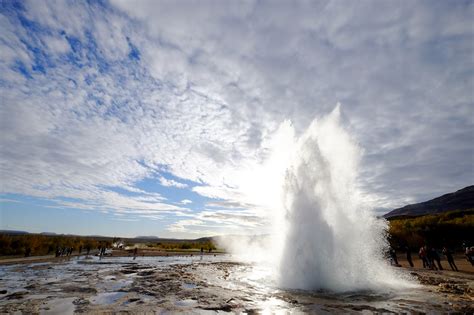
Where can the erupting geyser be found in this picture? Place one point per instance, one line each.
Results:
(332, 240)
(324, 235)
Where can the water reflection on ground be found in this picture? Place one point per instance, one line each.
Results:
(207, 285)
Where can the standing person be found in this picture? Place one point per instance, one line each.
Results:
(393, 257)
(470, 254)
(102, 252)
(449, 258)
(437, 258)
(135, 253)
(430, 258)
(422, 255)
(407, 249)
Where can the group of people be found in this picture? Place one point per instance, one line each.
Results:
(102, 251)
(432, 260)
(202, 250)
(64, 251)
(431, 257)
(67, 251)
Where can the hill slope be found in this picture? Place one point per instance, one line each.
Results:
(462, 199)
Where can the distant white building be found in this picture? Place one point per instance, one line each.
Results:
(118, 245)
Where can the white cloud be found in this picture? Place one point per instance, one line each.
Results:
(180, 226)
(212, 86)
(221, 222)
(171, 183)
(57, 45)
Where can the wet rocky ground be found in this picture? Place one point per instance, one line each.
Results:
(207, 285)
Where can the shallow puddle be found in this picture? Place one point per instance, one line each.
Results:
(186, 303)
(107, 298)
(58, 306)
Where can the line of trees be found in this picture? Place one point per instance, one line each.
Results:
(206, 245)
(35, 244)
(452, 229)
(38, 244)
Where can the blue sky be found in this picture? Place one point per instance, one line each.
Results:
(154, 117)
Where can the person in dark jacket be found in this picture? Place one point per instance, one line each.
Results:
(407, 250)
(430, 257)
(449, 258)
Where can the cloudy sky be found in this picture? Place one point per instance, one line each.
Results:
(143, 117)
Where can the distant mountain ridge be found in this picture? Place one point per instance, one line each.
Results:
(13, 232)
(462, 199)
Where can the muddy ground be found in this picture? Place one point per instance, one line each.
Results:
(207, 285)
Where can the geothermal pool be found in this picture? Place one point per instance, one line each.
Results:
(207, 285)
